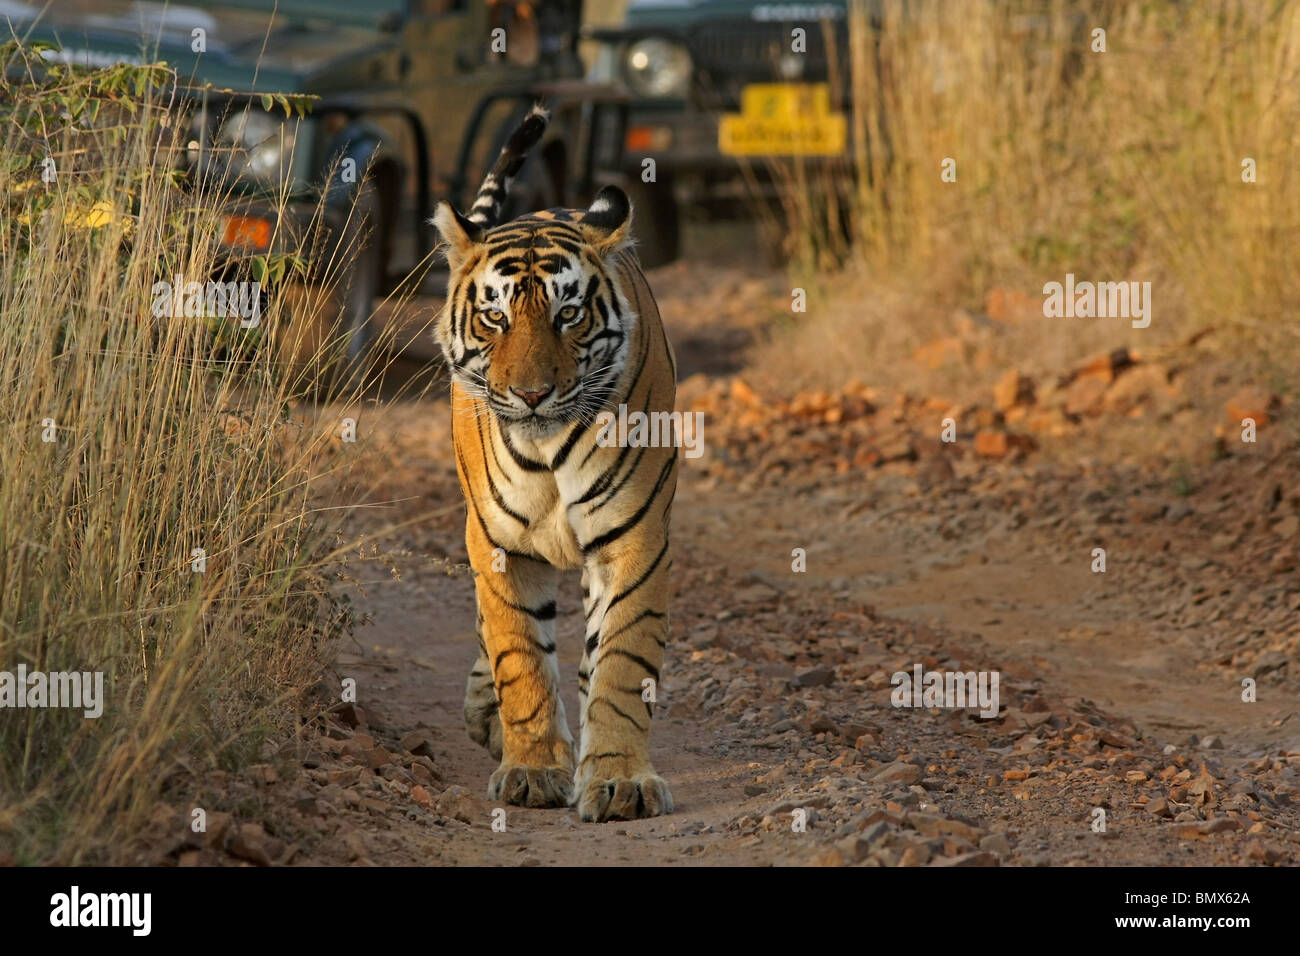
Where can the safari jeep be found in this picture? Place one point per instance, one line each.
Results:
(717, 86)
(409, 102)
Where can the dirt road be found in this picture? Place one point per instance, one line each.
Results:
(1122, 736)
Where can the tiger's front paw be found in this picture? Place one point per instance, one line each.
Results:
(625, 798)
(531, 786)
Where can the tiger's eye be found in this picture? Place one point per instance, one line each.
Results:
(568, 313)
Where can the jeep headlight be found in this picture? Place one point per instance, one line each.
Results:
(259, 145)
(658, 67)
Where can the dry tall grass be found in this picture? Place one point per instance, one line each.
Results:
(161, 445)
(1118, 165)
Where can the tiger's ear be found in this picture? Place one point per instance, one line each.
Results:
(457, 232)
(607, 224)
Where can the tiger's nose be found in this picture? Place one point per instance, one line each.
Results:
(533, 397)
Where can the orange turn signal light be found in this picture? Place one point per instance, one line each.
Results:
(653, 139)
(246, 232)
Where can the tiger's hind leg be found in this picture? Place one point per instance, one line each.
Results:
(482, 710)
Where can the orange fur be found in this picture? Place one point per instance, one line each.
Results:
(541, 500)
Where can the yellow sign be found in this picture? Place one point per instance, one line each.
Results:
(783, 119)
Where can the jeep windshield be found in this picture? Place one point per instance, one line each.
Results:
(236, 44)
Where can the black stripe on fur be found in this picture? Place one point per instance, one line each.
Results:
(486, 210)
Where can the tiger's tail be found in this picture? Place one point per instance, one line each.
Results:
(496, 184)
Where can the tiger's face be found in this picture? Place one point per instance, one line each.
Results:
(535, 326)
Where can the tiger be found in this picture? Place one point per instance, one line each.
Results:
(549, 325)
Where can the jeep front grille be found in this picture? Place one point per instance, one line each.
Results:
(733, 53)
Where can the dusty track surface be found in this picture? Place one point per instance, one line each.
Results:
(1121, 691)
